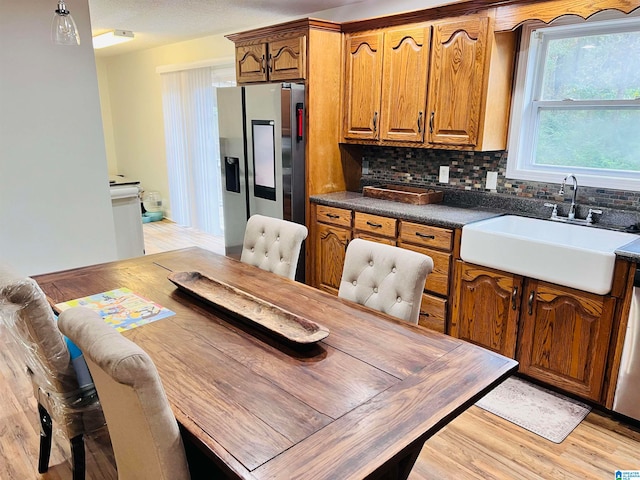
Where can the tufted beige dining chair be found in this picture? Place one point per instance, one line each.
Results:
(63, 404)
(386, 278)
(144, 433)
(273, 244)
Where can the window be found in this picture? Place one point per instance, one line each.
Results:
(577, 105)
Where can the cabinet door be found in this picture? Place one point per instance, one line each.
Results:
(485, 308)
(251, 63)
(456, 81)
(565, 337)
(287, 59)
(363, 78)
(404, 84)
(331, 246)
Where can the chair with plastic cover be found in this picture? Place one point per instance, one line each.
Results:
(64, 402)
(386, 278)
(144, 432)
(273, 244)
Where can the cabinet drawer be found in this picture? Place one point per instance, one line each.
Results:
(433, 313)
(333, 215)
(438, 279)
(373, 238)
(432, 237)
(375, 224)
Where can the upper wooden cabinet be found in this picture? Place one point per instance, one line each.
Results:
(455, 86)
(277, 60)
(404, 80)
(363, 73)
(456, 81)
(386, 84)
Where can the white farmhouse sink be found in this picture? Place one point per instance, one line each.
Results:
(570, 255)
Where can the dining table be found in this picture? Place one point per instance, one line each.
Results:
(358, 403)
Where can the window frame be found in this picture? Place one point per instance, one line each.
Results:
(526, 104)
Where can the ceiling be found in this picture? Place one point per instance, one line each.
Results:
(160, 22)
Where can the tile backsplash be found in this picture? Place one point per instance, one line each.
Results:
(468, 170)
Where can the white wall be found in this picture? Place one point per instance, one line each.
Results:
(131, 93)
(55, 208)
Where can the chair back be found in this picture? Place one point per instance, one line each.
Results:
(144, 433)
(273, 244)
(386, 278)
(24, 310)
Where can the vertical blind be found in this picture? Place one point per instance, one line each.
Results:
(193, 155)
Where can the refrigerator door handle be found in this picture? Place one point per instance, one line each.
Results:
(299, 121)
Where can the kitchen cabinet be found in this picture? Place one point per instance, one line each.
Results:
(404, 84)
(438, 244)
(333, 229)
(565, 337)
(559, 335)
(456, 81)
(331, 235)
(275, 60)
(375, 228)
(486, 305)
(456, 86)
(363, 74)
(385, 84)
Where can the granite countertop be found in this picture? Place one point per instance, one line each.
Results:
(630, 251)
(453, 214)
(437, 214)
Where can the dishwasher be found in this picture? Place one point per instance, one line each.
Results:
(627, 396)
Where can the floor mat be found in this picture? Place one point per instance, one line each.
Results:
(541, 411)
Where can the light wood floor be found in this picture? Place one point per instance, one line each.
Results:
(477, 445)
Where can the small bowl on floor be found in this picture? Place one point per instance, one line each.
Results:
(152, 216)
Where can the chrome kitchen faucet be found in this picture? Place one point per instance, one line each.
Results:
(572, 209)
(571, 216)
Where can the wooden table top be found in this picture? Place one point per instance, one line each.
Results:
(342, 408)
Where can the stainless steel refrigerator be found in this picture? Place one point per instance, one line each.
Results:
(262, 140)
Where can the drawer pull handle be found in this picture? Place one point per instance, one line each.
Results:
(374, 225)
(433, 114)
(420, 122)
(425, 314)
(332, 215)
(424, 235)
(530, 302)
(513, 298)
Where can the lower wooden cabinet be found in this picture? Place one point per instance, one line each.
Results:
(485, 308)
(559, 335)
(332, 228)
(564, 337)
(332, 233)
(433, 313)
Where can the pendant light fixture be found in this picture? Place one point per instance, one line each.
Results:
(63, 28)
